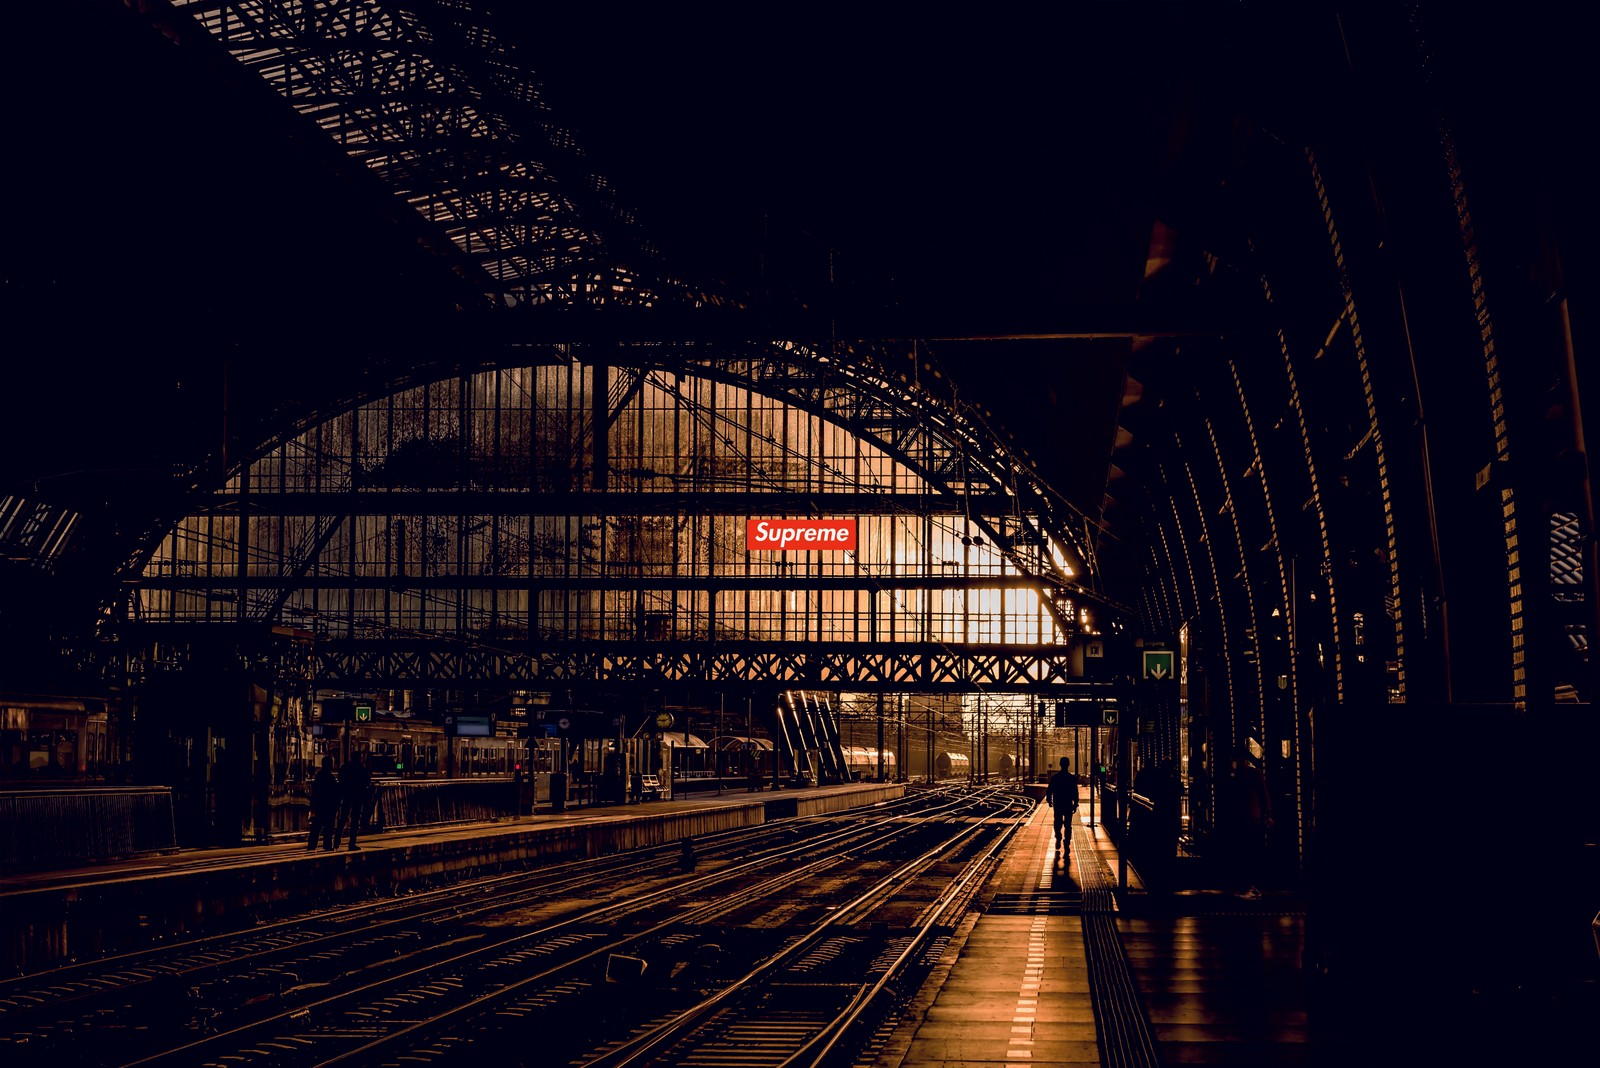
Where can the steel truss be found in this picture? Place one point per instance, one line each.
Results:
(432, 102)
(400, 663)
(947, 442)
(428, 101)
(968, 469)
(957, 471)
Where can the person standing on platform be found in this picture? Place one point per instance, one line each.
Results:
(575, 776)
(355, 790)
(325, 805)
(1062, 795)
(514, 803)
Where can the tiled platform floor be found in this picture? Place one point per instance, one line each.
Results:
(1219, 988)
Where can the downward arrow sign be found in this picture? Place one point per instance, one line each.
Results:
(1158, 664)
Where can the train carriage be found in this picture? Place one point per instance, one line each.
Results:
(55, 739)
(862, 763)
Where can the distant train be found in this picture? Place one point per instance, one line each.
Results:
(952, 766)
(421, 749)
(741, 756)
(861, 762)
(57, 739)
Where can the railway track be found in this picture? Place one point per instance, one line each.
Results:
(820, 1000)
(172, 1004)
(705, 985)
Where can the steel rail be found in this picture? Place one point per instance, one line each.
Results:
(675, 1029)
(77, 987)
(52, 989)
(960, 890)
(702, 914)
(500, 947)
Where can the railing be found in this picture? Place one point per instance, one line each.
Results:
(428, 802)
(84, 823)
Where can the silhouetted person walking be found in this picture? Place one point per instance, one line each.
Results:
(324, 805)
(355, 793)
(1062, 795)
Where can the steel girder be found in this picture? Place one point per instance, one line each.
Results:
(430, 101)
(652, 581)
(424, 663)
(603, 502)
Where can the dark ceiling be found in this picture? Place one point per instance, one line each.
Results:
(171, 235)
(935, 176)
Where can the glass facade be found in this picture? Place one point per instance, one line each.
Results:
(572, 501)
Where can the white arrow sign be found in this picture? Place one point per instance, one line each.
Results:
(1158, 664)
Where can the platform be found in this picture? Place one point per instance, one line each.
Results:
(1064, 966)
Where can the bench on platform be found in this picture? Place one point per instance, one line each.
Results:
(649, 788)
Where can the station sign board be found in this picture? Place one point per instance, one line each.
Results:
(815, 535)
(1077, 713)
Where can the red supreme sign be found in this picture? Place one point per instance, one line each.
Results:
(776, 535)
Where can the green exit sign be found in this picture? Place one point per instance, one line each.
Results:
(1159, 664)
(363, 713)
